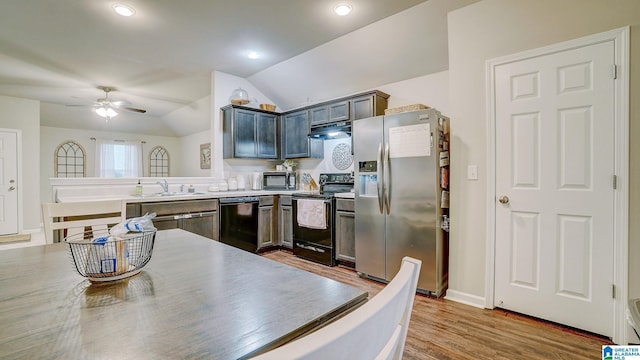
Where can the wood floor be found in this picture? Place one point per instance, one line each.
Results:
(442, 329)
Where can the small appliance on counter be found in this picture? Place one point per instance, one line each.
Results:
(241, 182)
(279, 180)
(256, 181)
(233, 184)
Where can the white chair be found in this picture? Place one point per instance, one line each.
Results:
(376, 330)
(75, 216)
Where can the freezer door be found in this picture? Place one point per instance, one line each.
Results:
(369, 219)
(411, 185)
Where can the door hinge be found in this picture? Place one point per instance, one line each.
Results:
(614, 71)
(615, 182)
(613, 291)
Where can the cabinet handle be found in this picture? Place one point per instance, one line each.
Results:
(380, 179)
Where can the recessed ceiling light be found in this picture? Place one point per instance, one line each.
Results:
(253, 55)
(123, 10)
(342, 9)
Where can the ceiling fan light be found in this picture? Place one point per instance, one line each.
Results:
(106, 112)
(111, 113)
(101, 111)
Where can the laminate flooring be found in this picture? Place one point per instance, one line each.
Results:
(444, 329)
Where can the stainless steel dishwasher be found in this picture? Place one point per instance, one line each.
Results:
(239, 222)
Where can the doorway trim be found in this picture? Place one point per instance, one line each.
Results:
(620, 37)
(18, 133)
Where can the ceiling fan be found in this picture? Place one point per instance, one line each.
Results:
(108, 109)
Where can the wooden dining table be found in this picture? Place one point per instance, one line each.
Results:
(196, 298)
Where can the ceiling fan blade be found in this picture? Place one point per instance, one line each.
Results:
(120, 103)
(141, 111)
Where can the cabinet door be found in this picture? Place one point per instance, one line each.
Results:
(267, 134)
(339, 111)
(345, 236)
(362, 107)
(133, 210)
(286, 226)
(166, 224)
(245, 134)
(319, 115)
(200, 225)
(265, 228)
(295, 131)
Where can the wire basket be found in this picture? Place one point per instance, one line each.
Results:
(106, 258)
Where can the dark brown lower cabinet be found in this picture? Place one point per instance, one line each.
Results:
(285, 222)
(345, 232)
(266, 229)
(197, 216)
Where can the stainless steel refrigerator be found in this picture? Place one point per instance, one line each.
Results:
(401, 194)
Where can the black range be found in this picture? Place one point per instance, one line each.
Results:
(314, 218)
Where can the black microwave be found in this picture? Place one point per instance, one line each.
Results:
(279, 180)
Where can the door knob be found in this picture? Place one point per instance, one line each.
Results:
(503, 199)
(12, 188)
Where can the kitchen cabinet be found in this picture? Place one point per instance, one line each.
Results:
(196, 216)
(367, 105)
(345, 232)
(133, 210)
(266, 217)
(335, 111)
(249, 133)
(285, 222)
(295, 142)
(254, 133)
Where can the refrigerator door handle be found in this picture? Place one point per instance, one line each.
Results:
(387, 179)
(379, 178)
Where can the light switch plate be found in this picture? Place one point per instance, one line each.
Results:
(472, 172)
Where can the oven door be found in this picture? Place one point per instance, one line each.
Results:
(314, 244)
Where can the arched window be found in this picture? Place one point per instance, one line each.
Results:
(158, 162)
(69, 160)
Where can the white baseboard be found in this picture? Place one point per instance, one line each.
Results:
(37, 238)
(468, 299)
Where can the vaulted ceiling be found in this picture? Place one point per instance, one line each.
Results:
(161, 58)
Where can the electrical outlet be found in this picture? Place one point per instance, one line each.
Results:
(472, 172)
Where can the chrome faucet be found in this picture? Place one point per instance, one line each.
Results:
(164, 184)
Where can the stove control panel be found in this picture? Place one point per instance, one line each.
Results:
(336, 178)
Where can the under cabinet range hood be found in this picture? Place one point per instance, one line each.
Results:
(336, 130)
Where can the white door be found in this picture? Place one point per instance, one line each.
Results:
(8, 183)
(554, 187)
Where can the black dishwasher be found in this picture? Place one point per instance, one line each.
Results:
(239, 222)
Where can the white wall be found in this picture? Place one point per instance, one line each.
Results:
(494, 28)
(315, 167)
(24, 115)
(190, 119)
(431, 90)
(52, 137)
(189, 159)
